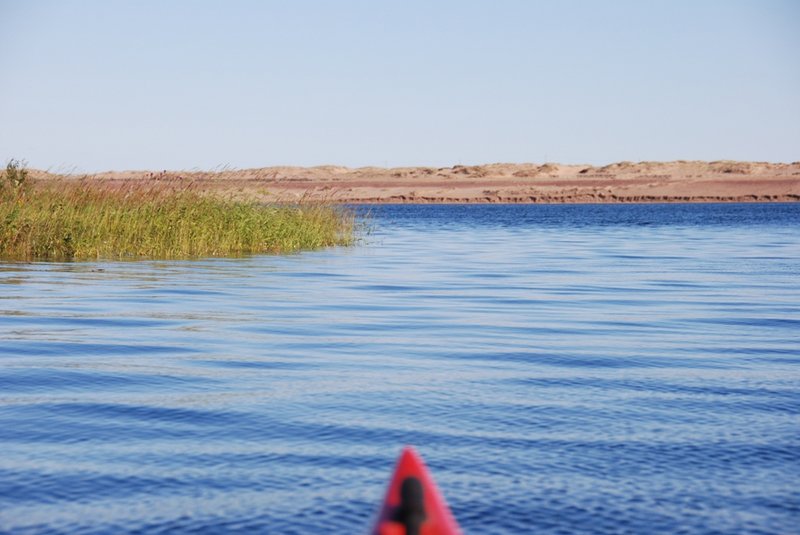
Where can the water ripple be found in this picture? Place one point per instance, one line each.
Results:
(563, 369)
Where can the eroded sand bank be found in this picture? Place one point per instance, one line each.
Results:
(681, 181)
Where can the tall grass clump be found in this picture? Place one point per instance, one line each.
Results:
(92, 219)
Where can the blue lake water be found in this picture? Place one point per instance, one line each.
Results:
(563, 369)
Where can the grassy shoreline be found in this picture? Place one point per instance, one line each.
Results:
(62, 220)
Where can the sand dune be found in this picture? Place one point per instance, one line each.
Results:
(680, 181)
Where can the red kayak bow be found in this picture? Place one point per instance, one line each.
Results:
(413, 504)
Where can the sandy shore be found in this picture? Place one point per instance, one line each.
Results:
(681, 181)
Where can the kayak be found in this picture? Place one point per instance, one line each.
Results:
(413, 504)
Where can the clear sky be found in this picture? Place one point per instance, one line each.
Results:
(90, 85)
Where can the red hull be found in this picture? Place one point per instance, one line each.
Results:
(413, 504)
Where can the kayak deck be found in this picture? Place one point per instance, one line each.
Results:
(413, 504)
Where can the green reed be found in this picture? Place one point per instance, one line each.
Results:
(93, 219)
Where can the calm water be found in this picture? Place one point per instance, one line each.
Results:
(563, 369)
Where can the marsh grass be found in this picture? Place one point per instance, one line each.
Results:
(83, 219)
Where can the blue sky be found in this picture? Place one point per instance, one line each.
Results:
(94, 85)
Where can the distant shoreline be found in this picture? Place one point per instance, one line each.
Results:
(623, 182)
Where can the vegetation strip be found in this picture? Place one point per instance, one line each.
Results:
(84, 219)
